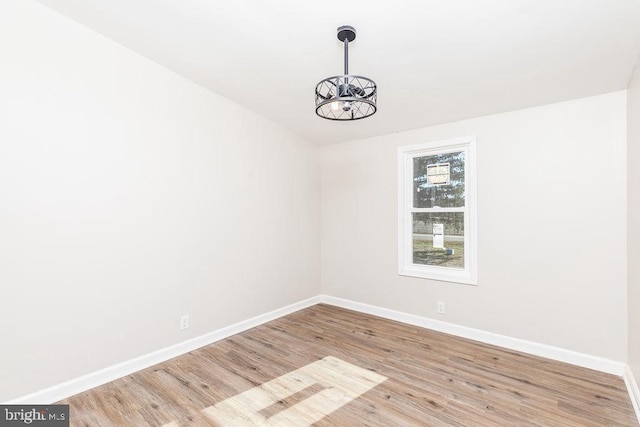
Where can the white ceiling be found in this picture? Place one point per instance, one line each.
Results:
(434, 61)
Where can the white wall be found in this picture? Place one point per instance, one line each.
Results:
(130, 196)
(551, 218)
(633, 218)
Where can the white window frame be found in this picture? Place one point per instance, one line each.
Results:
(406, 267)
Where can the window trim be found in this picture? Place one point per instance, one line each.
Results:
(406, 267)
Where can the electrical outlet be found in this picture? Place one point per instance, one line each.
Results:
(184, 322)
(440, 307)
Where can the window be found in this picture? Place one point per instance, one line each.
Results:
(437, 211)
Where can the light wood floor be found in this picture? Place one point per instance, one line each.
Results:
(432, 379)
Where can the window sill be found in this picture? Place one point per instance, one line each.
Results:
(433, 274)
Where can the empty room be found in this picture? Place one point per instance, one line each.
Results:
(365, 213)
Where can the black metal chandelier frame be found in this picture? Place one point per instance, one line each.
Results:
(346, 97)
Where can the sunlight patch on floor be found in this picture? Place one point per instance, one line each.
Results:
(332, 382)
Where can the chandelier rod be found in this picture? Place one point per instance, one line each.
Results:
(346, 56)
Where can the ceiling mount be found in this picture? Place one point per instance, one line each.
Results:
(346, 32)
(346, 97)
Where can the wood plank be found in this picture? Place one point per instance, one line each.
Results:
(433, 379)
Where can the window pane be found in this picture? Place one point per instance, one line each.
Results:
(438, 239)
(438, 180)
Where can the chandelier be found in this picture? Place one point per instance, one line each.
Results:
(346, 97)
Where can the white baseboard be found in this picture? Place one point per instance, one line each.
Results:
(542, 350)
(634, 391)
(111, 373)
